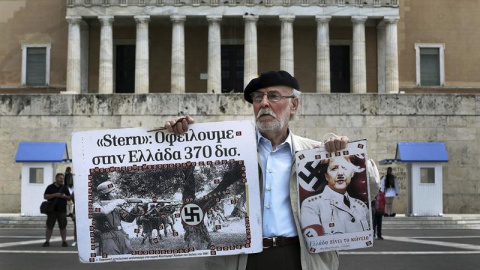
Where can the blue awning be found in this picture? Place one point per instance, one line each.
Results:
(418, 152)
(42, 152)
(421, 152)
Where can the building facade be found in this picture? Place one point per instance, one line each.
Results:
(169, 46)
(376, 69)
(151, 46)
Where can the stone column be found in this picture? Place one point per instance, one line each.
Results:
(381, 57)
(142, 55)
(74, 55)
(359, 72)
(84, 48)
(251, 61)
(391, 55)
(214, 82)
(323, 54)
(178, 54)
(286, 45)
(105, 76)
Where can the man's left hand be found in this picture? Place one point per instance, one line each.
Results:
(337, 143)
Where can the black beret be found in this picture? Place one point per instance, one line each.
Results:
(270, 78)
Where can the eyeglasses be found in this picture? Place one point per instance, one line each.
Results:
(272, 96)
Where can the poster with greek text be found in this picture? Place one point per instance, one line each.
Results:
(335, 212)
(149, 194)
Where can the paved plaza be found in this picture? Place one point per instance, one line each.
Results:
(438, 249)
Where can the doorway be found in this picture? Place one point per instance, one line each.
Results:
(232, 68)
(340, 68)
(125, 69)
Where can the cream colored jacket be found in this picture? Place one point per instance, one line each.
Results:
(317, 261)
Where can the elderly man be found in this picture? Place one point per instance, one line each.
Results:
(275, 98)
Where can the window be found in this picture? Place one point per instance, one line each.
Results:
(36, 176)
(36, 64)
(430, 64)
(427, 175)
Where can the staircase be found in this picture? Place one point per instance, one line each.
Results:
(450, 221)
(17, 221)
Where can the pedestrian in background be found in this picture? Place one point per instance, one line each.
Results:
(389, 186)
(378, 210)
(71, 204)
(68, 177)
(60, 194)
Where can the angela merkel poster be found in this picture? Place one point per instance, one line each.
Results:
(335, 213)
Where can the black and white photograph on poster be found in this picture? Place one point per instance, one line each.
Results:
(335, 212)
(143, 195)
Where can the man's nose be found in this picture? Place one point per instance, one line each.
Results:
(264, 102)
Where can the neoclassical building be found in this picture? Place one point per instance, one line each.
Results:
(217, 46)
(212, 46)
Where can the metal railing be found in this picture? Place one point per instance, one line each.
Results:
(341, 3)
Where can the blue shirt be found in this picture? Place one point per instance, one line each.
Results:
(276, 169)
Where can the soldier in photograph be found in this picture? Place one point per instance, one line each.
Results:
(108, 215)
(166, 217)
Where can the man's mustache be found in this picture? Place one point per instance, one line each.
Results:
(266, 111)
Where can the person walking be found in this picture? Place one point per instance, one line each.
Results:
(71, 203)
(60, 194)
(389, 186)
(68, 177)
(378, 210)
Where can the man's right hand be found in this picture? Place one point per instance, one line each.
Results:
(179, 125)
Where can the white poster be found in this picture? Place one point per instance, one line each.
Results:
(142, 195)
(335, 212)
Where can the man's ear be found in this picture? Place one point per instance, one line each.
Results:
(294, 107)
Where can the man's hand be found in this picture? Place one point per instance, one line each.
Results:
(179, 125)
(335, 144)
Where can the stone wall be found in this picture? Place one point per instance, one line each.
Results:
(382, 119)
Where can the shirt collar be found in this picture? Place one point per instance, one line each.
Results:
(288, 140)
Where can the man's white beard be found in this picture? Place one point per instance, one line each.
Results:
(272, 124)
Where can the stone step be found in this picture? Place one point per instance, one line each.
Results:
(17, 221)
(453, 221)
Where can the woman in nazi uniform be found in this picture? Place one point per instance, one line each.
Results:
(334, 211)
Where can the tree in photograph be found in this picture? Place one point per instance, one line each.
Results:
(198, 236)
